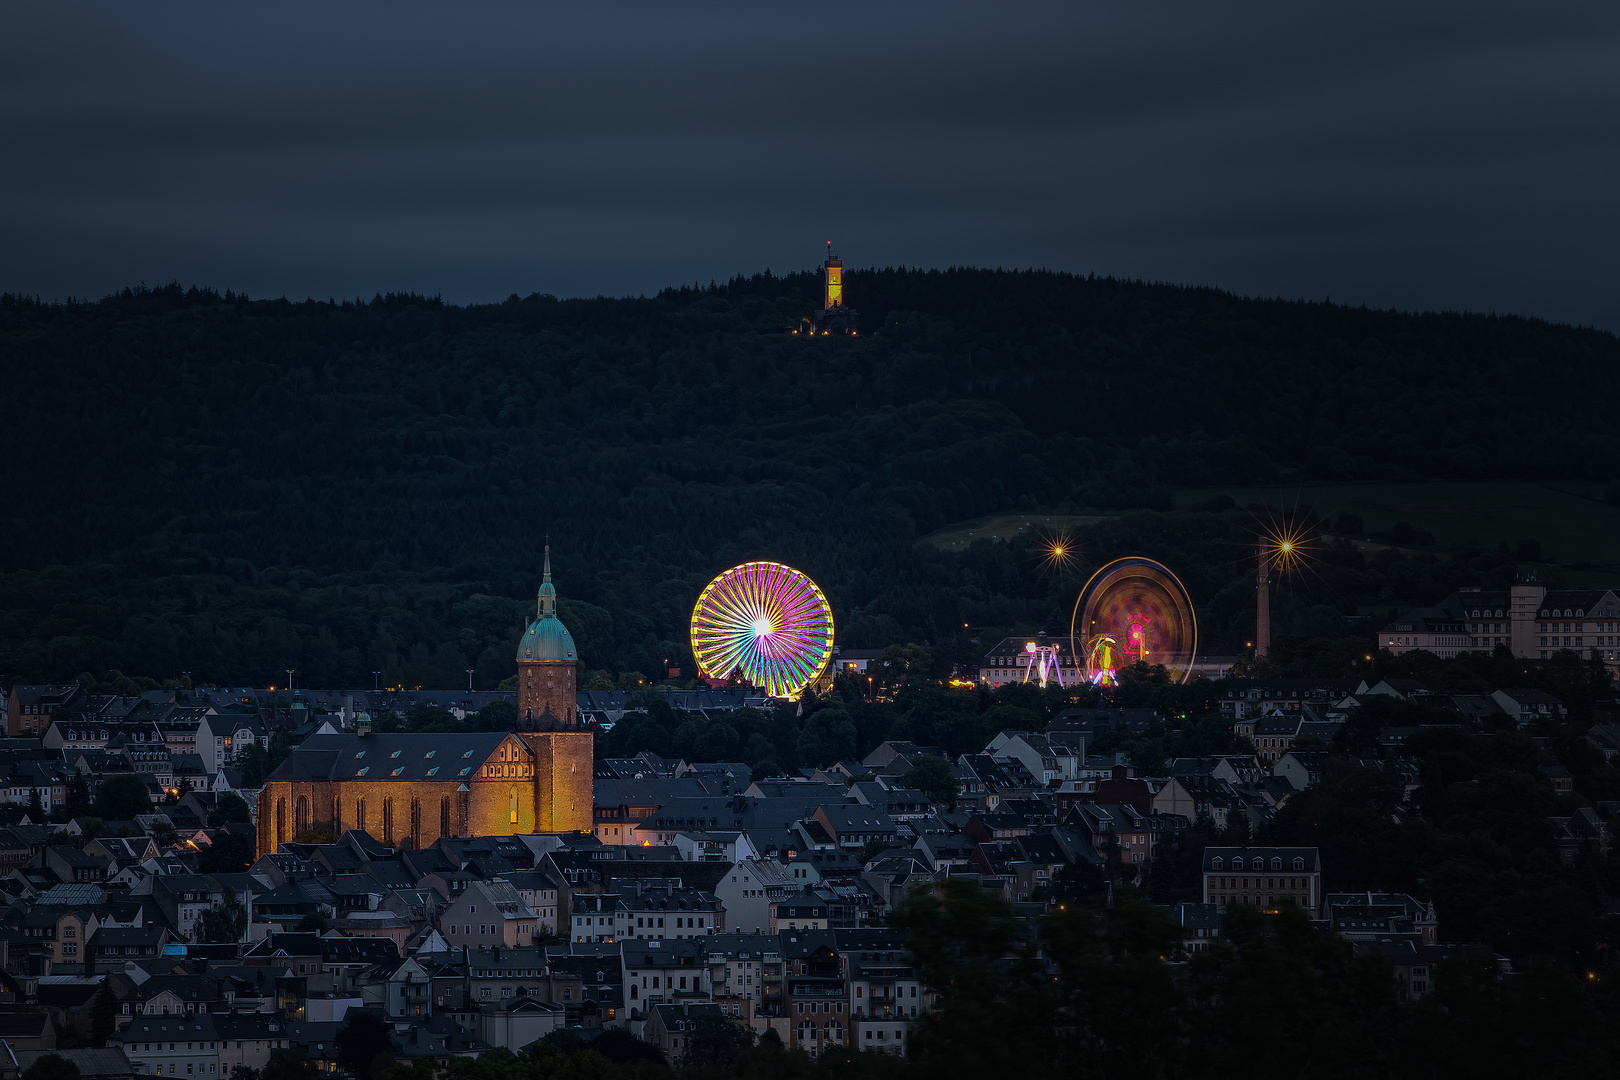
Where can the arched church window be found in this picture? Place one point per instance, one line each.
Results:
(512, 801)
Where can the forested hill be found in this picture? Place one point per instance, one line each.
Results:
(231, 487)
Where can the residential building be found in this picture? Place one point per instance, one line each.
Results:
(221, 738)
(670, 1027)
(29, 708)
(621, 802)
(1262, 877)
(743, 973)
(807, 909)
(728, 846)
(816, 991)
(747, 891)
(489, 913)
(1243, 698)
(1200, 925)
(183, 1045)
(514, 1023)
(183, 898)
(246, 1038)
(1372, 916)
(497, 974)
(1526, 706)
(1048, 762)
(663, 970)
(645, 908)
(1580, 834)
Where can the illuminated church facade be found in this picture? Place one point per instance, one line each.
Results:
(410, 789)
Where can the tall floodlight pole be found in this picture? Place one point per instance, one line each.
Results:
(1262, 605)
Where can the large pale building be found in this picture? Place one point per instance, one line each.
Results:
(410, 789)
(1528, 619)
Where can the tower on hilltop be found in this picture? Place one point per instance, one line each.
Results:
(833, 268)
(834, 317)
(548, 666)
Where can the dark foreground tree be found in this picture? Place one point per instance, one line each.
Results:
(225, 923)
(360, 1040)
(121, 798)
(51, 1067)
(712, 1042)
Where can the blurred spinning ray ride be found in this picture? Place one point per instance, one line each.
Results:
(766, 624)
(1042, 662)
(1133, 610)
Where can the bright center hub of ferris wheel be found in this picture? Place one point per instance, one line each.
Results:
(762, 627)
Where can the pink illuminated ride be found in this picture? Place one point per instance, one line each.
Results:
(766, 624)
(1134, 610)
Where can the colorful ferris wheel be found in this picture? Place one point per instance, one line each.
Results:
(1134, 610)
(765, 623)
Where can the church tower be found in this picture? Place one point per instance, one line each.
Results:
(548, 719)
(548, 666)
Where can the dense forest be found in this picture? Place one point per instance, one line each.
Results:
(208, 484)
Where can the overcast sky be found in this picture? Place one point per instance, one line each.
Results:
(1412, 155)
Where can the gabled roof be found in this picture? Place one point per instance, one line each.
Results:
(1250, 853)
(73, 895)
(396, 756)
(90, 1062)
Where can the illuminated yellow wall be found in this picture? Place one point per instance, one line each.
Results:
(542, 779)
(835, 284)
(564, 761)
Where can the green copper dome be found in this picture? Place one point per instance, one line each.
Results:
(547, 638)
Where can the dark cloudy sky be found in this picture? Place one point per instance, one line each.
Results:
(1418, 155)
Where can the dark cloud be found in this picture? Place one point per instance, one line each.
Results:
(1457, 156)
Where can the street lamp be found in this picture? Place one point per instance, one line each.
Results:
(469, 679)
(289, 678)
(376, 680)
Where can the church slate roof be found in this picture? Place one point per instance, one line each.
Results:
(400, 756)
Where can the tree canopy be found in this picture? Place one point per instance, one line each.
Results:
(228, 487)
(51, 1067)
(120, 798)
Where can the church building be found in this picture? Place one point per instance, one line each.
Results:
(410, 789)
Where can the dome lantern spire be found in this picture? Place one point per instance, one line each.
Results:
(548, 591)
(547, 659)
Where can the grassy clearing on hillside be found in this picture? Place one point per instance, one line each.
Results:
(1570, 519)
(1004, 527)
